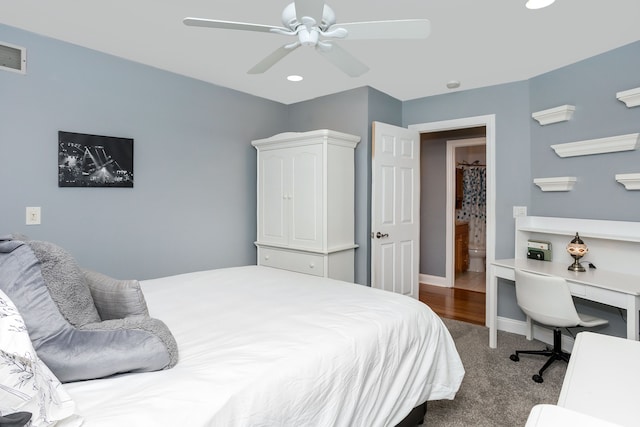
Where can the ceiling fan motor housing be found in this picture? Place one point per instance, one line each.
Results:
(308, 38)
(290, 19)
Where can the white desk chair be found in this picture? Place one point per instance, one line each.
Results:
(547, 300)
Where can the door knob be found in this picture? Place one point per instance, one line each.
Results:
(379, 235)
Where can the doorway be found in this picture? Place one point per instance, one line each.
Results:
(466, 166)
(442, 270)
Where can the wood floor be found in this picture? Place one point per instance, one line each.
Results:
(455, 303)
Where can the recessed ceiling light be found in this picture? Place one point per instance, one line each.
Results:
(538, 4)
(453, 84)
(294, 78)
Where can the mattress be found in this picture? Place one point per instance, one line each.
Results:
(266, 347)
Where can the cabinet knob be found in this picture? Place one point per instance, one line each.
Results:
(266, 257)
(311, 265)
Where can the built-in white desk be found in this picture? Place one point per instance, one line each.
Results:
(606, 287)
(614, 246)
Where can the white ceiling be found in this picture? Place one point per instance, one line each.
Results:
(478, 42)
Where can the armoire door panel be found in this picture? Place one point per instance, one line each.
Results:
(273, 194)
(306, 197)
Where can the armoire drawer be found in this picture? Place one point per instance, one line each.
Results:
(301, 262)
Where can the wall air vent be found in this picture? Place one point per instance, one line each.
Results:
(13, 58)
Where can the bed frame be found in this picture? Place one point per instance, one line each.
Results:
(415, 417)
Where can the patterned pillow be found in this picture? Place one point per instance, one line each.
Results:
(26, 384)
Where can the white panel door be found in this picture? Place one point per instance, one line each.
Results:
(395, 209)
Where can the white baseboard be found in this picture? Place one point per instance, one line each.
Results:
(513, 326)
(540, 333)
(434, 280)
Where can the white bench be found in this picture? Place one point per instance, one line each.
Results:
(601, 386)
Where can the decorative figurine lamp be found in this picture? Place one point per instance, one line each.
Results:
(577, 249)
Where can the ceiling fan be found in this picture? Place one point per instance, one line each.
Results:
(314, 24)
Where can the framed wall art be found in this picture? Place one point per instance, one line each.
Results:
(94, 161)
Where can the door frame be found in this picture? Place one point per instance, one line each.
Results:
(488, 121)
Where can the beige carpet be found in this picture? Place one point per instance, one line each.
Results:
(495, 391)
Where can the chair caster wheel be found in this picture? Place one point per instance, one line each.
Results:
(514, 357)
(537, 378)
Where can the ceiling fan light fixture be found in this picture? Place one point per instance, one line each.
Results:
(538, 4)
(294, 78)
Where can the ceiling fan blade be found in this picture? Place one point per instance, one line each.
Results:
(309, 8)
(230, 25)
(272, 58)
(400, 29)
(343, 60)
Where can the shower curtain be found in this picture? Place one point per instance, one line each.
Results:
(474, 204)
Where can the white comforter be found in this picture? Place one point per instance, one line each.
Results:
(267, 347)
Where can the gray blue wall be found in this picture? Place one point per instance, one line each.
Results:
(193, 203)
(510, 104)
(590, 86)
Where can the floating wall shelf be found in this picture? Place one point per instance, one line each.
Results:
(631, 181)
(630, 97)
(554, 115)
(598, 146)
(560, 183)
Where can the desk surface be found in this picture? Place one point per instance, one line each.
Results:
(618, 282)
(602, 378)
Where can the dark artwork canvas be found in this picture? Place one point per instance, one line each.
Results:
(94, 161)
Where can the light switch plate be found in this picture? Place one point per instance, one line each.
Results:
(33, 215)
(519, 211)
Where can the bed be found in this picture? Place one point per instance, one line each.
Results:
(244, 346)
(266, 347)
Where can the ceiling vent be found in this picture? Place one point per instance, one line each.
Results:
(13, 58)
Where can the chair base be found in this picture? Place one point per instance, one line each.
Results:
(553, 354)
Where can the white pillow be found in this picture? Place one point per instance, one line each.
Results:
(26, 384)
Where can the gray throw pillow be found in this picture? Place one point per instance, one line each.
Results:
(116, 299)
(66, 283)
(51, 294)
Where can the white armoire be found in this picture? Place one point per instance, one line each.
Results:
(306, 203)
